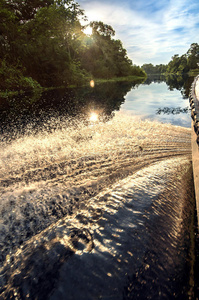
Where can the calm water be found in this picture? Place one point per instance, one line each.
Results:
(97, 209)
(155, 99)
(157, 102)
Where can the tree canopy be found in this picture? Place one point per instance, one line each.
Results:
(188, 62)
(45, 41)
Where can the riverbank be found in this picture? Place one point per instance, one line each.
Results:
(9, 93)
(117, 79)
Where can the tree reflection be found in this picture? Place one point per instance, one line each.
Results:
(178, 82)
(29, 112)
(158, 78)
(172, 110)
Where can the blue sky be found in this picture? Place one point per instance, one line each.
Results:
(151, 31)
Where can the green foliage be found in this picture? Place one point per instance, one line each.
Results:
(151, 69)
(105, 57)
(138, 71)
(101, 29)
(186, 63)
(193, 56)
(12, 78)
(46, 39)
(31, 83)
(178, 65)
(26, 10)
(193, 72)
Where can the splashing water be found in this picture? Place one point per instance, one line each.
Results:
(88, 201)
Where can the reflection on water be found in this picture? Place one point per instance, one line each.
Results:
(180, 83)
(173, 111)
(96, 204)
(151, 98)
(19, 114)
(27, 113)
(97, 211)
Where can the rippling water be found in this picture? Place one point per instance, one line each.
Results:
(99, 211)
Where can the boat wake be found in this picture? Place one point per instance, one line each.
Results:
(87, 211)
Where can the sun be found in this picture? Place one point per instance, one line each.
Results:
(93, 117)
(88, 30)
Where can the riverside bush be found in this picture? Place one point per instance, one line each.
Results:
(12, 78)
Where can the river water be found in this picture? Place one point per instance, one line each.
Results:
(97, 208)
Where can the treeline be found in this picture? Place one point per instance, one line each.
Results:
(186, 63)
(42, 42)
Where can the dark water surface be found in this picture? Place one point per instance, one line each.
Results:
(97, 209)
(154, 99)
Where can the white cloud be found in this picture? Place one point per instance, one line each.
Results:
(149, 37)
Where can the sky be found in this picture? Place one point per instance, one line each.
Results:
(151, 31)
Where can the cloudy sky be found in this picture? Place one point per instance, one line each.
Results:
(151, 31)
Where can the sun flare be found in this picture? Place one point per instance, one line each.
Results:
(93, 117)
(92, 83)
(88, 30)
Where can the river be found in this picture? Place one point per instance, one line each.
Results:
(101, 207)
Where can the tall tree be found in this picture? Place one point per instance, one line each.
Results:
(26, 9)
(193, 56)
(104, 56)
(45, 40)
(9, 30)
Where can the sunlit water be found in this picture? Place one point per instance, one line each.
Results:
(97, 211)
(157, 102)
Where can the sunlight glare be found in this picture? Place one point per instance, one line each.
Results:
(93, 117)
(92, 83)
(88, 30)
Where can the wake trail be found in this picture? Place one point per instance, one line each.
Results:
(50, 184)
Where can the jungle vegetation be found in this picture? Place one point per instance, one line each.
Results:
(187, 63)
(42, 43)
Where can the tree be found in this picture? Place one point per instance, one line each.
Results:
(101, 29)
(105, 57)
(193, 56)
(151, 69)
(45, 40)
(9, 30)
(27, 9)
(43, 37)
